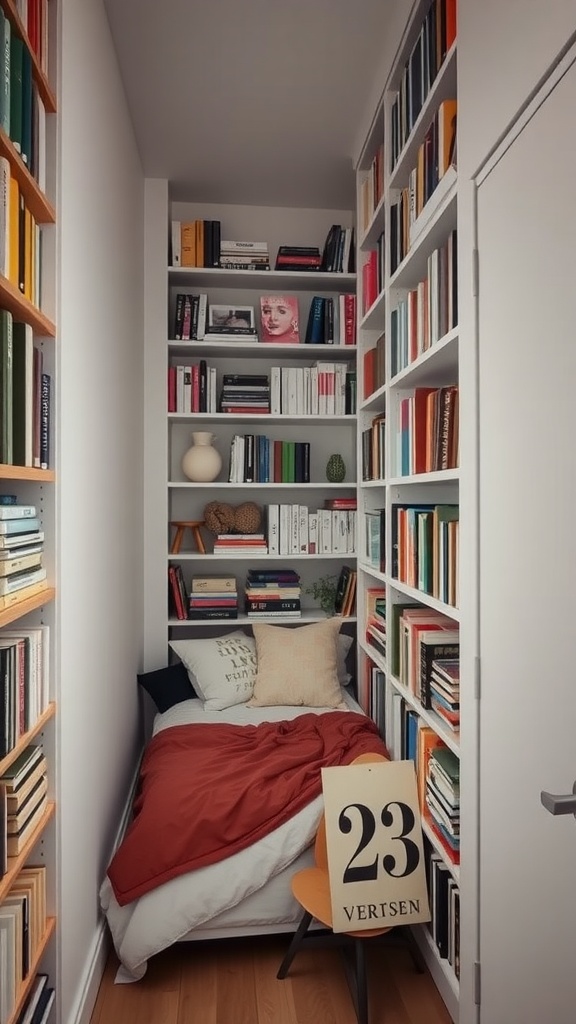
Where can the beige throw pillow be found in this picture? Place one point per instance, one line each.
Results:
(297, 667)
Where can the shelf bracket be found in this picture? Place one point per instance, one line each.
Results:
(477, 982)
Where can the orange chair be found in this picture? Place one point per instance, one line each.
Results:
(311, 887)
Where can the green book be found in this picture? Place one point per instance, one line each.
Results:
(22, 395)
(5, 33)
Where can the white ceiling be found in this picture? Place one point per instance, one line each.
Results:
(250, 101)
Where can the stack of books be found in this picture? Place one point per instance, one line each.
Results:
(25, 784)
(443, 798)
(272, 593)
(445, 690)
(245, 393)
(298, 257)
(244, 255)
(240, 544)
(21, 544)
(376, 618)
(213, 597)
(24, 661)
(177, 596)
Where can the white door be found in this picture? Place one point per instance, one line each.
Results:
(526, 207)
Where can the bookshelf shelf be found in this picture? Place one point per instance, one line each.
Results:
(314, 485)
(224, 559)
(422, 598)
(373, 318)
(440, 211)
(44, 87)
(45, 476)
(373, 483)
(374, 229)
(41, 209)
(434, 366)
(443, 88)
(374, 400)
(431, 478)
(24, 605)
(245, 620)
(27, 737)
(22, 309)
(29, 979)
(187, 417)
(217, 277)
(260, 350)
(16, 863)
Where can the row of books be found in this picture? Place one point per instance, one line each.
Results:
(323, 389)
(295, 529)
(25, 397)
(371, 188)
(195, 243)
(20, 238)
(373, 547)
(423, 637)
(23, 798)
(429, 311)
(331, 321)
(255, 458)
(427, 431)
(437, 35)
(443, 798)
(425, 549)
(435, 156)
(24, 663)
(23, 924)
(373, 275)
(374, 367)
(373, 449)
(33, 16)
(192, 387)
(38, 1006)
(20, 548)
(444, 901)
(22, 111)
(375, 624)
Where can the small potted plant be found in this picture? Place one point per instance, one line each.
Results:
(323, 590)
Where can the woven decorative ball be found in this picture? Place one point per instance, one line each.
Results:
(219, 517)
(248, 517)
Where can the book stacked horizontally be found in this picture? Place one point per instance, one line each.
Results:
(445, 690)
(213, 597)
(443, 798)
(240, 544)
(21, 544)
(298, 257)
(272, 593)
(245, 393)
(244, 255)
(25, 783)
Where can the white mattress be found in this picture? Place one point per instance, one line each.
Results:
(241, 894)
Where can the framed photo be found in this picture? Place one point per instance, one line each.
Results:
(225, 317)
(279, 319)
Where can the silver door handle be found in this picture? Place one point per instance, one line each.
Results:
(559, 803)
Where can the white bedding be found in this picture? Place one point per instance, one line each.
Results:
(169, 912)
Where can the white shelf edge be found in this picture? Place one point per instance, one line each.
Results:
(245, 620)
(373, 483)
(374, 398)
(372, 313)
(372, 232)
(436, 208)
(426, 359)
(243, 277)
(454, 869)
(427, 215)
(226, 347)
(424, 598)
(439, 476)
(371, 571)
(314, 485)
(187, 417)
(197, 556)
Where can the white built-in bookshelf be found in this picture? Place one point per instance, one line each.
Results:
(28, 152)
(407, 469)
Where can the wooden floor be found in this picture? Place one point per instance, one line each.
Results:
(234, 982)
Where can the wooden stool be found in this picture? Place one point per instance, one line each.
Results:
(181, 527)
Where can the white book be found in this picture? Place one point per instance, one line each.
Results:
(176, 244)
(293, 390)
(303, 530)
(212, 390)
(10, 584)
(275, 390)
(307, 390)
(300, 406)
(252, 247)
(284, 389)
(17, 511)
(325, 518)
(295, 529)
(187, 389)
(13, 541)
(274, 529)
(313, 533)
(314, 392)
(202, 314)
(284, 529)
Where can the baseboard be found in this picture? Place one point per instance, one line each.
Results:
(87, 992)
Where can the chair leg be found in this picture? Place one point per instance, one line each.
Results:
(361, 986)
(293, 947)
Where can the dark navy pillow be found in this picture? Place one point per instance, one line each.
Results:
(167, 686)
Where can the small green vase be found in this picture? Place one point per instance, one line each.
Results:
(335, 469)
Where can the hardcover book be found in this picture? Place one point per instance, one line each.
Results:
(279, 319)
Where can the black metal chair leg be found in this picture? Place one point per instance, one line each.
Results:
(293, 947)
(361, 987)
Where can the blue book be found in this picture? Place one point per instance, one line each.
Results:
(28, 525)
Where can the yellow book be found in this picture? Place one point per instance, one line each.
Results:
(188, 243)
(14, 231)
(199, 243)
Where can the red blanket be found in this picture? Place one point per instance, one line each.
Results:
(208, 791)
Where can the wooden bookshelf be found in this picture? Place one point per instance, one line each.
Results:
(29, 604)
(27, 737)
(26, 985)
(16, 863)
(44, 87)
(22, 309)
(45, 476)
(39, 206)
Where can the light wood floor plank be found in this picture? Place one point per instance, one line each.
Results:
(274, 999)
(198, 990)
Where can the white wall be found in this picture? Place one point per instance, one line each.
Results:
(504, 49)
(100, 212)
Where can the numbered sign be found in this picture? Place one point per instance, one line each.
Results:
(375, 851)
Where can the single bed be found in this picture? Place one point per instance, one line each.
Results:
(247, 893)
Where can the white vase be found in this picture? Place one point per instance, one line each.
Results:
(202, 462)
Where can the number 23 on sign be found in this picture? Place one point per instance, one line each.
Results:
(375, 851)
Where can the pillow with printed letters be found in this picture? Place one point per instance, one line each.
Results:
(222, 669)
